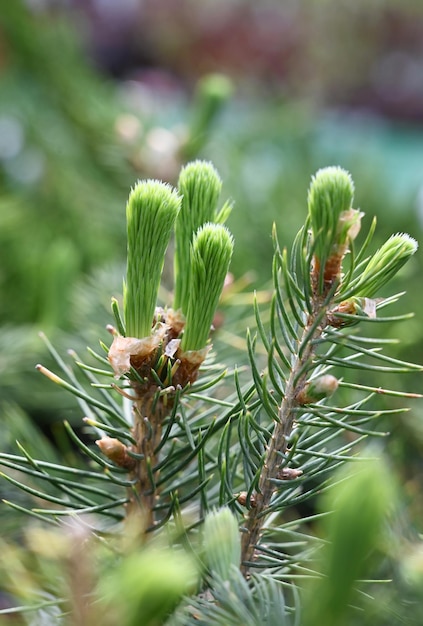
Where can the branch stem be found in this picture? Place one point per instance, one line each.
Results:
(278, 444)
(147, 432)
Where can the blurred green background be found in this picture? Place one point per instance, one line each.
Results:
(95, 94)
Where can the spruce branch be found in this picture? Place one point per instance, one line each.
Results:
(167, 451)
(304, 313)
(278, 445)
(158, 364)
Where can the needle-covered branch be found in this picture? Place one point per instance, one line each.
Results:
(309, 329)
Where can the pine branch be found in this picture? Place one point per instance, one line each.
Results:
(287, 415)
(309, 314)
(174, 440)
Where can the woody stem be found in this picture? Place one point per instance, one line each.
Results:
(278, 444)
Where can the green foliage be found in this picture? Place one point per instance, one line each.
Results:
(150, 216)
(330, 195)
(211, 254)
(66, 167)
(359, 503)
(385, 263)
(178, 436)
(199, 185)
(147, 585)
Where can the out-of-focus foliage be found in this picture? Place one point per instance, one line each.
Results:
(71, 144)
(66, 575)
(63, 171)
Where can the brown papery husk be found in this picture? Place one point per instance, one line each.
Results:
(131, 351)
(189, 365)
(142, 355)
(366, 306)
(175, 321)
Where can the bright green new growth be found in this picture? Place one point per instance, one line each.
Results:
(170, 452)
(150, 213)
(359, 505)
(211, 254)
(148, 582)
(221, 542)
(330, 194)
(200, 186)
(385, 263)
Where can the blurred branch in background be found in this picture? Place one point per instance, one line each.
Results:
(361, 54)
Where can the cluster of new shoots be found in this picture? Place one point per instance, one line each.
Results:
(334, 226)
(270, 444)
(160, 350)
(158, 339)
(200, 186)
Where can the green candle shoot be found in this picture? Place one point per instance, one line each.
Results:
(151, 213)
